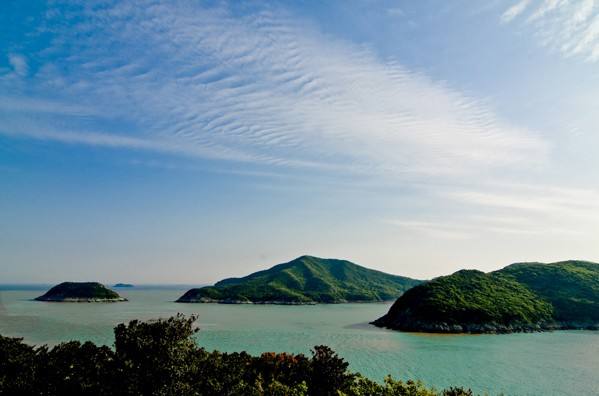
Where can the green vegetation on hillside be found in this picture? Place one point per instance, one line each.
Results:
(571, 287)
(162, 358)
(80, 291)
(520, 297)
(305, 280)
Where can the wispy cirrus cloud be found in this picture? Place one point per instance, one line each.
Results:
(581, 203)
(263, 87)
(492, 210)
(18, 64)
(569, 27)
(473, 228)
(514, 10)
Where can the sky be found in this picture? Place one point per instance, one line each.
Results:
(182, 141)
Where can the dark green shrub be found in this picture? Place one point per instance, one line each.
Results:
(161, 358)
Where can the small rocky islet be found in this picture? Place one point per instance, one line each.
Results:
(80, 292)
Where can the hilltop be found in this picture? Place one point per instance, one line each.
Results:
(519, 297)
(80, 292)
(305, 280)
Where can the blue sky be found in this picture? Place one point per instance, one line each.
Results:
(186, 141)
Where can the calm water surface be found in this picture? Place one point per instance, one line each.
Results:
(558, 363)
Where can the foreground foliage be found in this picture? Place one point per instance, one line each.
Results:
(520, 297)
(162, 358)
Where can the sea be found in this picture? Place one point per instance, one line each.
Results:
(549, 363)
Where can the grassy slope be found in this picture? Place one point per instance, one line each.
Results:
(82, 290)
(520, 294)
(308, 279)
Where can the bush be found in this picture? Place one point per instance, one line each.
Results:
(18, 367)
(161, 358)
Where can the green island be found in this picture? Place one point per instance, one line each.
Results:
(521, 297)
(161, 357)
(305, 280)
(80, 292)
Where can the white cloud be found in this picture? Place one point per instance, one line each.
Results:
(533, 211)
(546, 7)
(271, 89)
(16, 104)
(514, 11)
(436, 230)
(19, 64)
(119, 141)
(395, 12)
(526, 213)
(545, 200)
(569, 27)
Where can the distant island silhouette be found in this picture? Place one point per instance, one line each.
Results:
(123, 285)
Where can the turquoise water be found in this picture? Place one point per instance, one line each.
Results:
(557, 363)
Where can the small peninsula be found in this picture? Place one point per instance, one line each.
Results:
(80, 292)
(305, 280)
(521, 297)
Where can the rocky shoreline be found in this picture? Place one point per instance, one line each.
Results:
(81, 300)
(484, 328)
(206, 300)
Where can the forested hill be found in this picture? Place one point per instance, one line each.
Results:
(306, 280)
(519, 297)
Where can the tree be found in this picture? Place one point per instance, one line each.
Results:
(161, 358)
(328, 373)
(73, 368)
(17, 367)
(154, 357)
